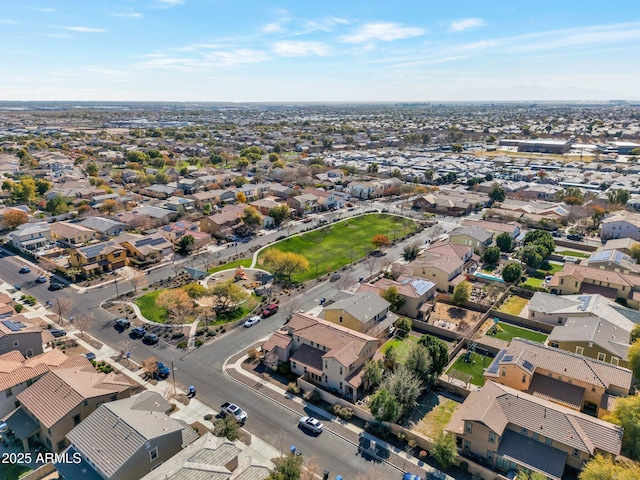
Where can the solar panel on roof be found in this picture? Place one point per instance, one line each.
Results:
(11, 326)
(528, 365)
(495, 365)
(422, 286)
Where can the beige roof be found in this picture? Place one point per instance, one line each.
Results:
(582, 273)
(497, 406)
(68, 230)
(60, 391)
(279, 339)
(15, 369)
(498, 227)
(28, 326)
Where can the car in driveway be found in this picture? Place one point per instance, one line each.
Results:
(57, 332)
(17, 287)
(250, 322)
(312, 424)
(90, 356)
(270, 310)
(122, 323)
(162, 371)
(24, 269)
(138, 332)
(41, 279)
(151, 338)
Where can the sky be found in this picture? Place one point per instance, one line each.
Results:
(319, 50)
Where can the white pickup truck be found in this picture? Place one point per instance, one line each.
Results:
(235, 411)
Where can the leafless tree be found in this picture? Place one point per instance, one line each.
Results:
(345, 281)
(124, 347)
(290, 308)
(137, 279)
(271, 360)
(149, 366)
(371, 262)
(206, 258)
(83, 321)
(63, 305)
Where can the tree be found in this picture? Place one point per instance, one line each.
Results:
(635, 334)
(444, 449)
(392, 296)
(176, 301)
(572, 196)
(522, 475)
(491, 255)
(372, 373)
(284, 263)
(380, 240)
(287, 467)
(626, 414)
(504, 241)
(92, 169)
(633, 354)
(511, 272)
(419, 362)
(405, 386)
(457, 148)
(226, 427)
(186, 244)
(110, 205)
(252, 217)
(82, 321)
(150, 367)
(241, 197)
(280, 213)
(635, 252)
(618, 197)
(497, 194)
(606, 467)
(438, 351)
(410, 252)
(207, 208)
(540, 237)
(384, 406)
(137, 279)
(13, 218)
(597, 214)
(228, 296)
(239, 181)
(461, 293)
(532, 256)
(403, 325)
(372, 168)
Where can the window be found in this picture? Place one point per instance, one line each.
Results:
(535, 435)
(340, 370)
(340, 318)
(548, 441)
(153, 454)
(8, 392)
(615, 361)
(28, 353)
(504, 372)
(76, 419)
(85, 403)
(579, 350)
(602, 356)
(466, 445)
(468, 427)
(524, 378)
(576, 453)
(489, 455)
(16, 343)
(524, 431)
(593, 388)
(492, 437)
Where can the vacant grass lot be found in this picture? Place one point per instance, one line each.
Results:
(510, 331)
(339, 244)
(245, 262)
(149, 309)
(514, 304)
(401, 346)
(475, 367)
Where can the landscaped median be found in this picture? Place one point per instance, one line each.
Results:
(338, 244)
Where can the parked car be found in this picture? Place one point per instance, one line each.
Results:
(24, 269)
(410, 476)
(138, 332)
(270, 310)
(250, 322)
(122, 323)
(55, 286)
(307, 220)
(90, 356)
(335, 277)
(41, 279)
(56, 332)
(162, 370)
(312, 424)
(575, 236)
(17, 287)
(151, 338)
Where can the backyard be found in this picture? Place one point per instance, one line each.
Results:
(402, 346)
(572, 253)
(339, 244)
(474, 367)
(506, 331)
(432, 422)
(514, 305)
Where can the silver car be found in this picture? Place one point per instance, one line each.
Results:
(312, 424)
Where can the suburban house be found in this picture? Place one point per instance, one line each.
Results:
(224, 222)
(475, 237)
(98, 258)
(417, 293)
(326, 200)
(442, 204)
(104, 226)
(304, 203)
(565, 378)
(31, 236)
(364, 312)
(176, 230)
(126, 439)
(6, 306)
(513, 430)
(145, 247)
(265, 205)
(71, 234)
(621, 225)
(59, 401)
(208, 196)
(613, 260)
(512, 228)
(18, 372)
(210, 458)
(18, 333)
(328, 355)
(574, 279)
(622, 244)
(180, 205)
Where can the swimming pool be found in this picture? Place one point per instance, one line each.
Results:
(488, 277)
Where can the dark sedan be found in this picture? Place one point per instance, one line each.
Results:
(150, 338)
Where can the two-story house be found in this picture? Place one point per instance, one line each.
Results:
(31, 236)
(98, 258)
(325, 354)
(144, 247)
(71, 234)
(512, 228)
(416, 292)
(475, 237)
(513, 430)
(59, 401)
(613, 260)
(18, 333)
(222, 223)
(621, 225)
(104, 227)
(365, 312)
(566, 378)
(304, 203)
(125, 439)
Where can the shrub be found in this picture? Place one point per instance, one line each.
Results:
(422, 455)
(182, 344)
(293, 388)
(344, 413)
(464, 466)
(284, 368)
(312, 396)
(177, 335)
(253, 354)
(18, 307)
(198, 343)
(378, 429)
(208, 416)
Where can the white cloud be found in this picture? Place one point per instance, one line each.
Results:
(272, 27)
(465, 24)
(206, 60)
(386, 31)
(300, 49)
(128, 15)
(170, 3)
(85, 29)
(325, 24)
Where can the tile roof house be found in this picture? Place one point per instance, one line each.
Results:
(145, 247)
(60, 400)
(328, 355)
(513, 430)
(565, 378)
(18, 333)
(416, 293)
(210, 458)
(104, 226)
(98, 258)
(512, 228)
(475, 237)
(365, 312)
(621, 225)
(222, 223)
(613, 260)
(31, 236)
(72, 234)
(126, 439)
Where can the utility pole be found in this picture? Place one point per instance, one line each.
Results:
(115, 278)
(59, 311)
(173, 375)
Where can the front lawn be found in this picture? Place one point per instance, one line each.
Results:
(514, 304)
(402, 347)
(510, 331)
(341, 243)
(147, 305)
(245, 262)
(475, 367)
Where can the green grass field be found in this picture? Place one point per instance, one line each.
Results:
(339, 244)
(245, 262)
(534, 282)
(147, 305)
(510, 331)
(572, 253)
(433, 423)
(475, 367)
(550, 268)
(514, 304)
(402, 347)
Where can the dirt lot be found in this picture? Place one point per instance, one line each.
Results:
(453, 317)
